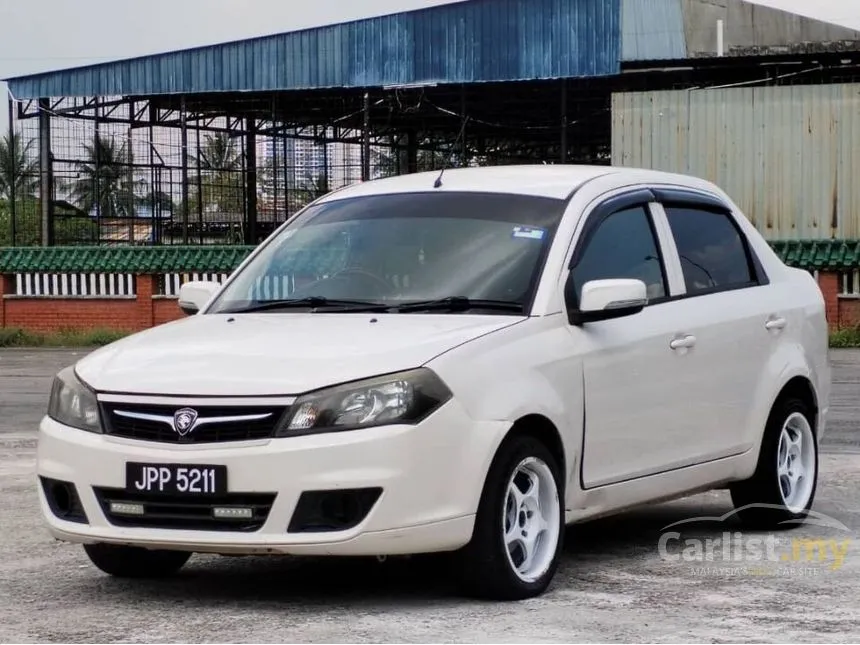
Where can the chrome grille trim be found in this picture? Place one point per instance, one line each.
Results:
(202, 401)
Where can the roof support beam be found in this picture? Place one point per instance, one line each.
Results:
(251, 181)
(46, 183)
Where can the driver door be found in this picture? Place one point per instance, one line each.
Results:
(634, 419)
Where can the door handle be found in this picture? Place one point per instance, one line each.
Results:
(685, 342)
(775, 324)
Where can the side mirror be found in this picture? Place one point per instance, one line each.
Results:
(194, 295)
(608, 299)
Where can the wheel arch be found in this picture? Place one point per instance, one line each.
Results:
(545, 431)
(800, 387)
(542, 428)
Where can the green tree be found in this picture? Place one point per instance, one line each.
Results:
(221, 179)
(105, 183)
(17, 169)
(28, 222)
(19, 173)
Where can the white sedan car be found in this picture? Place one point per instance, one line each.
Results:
(465, 364)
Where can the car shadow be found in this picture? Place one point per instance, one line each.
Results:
(417, 580)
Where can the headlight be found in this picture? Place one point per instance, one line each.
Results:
(407, 397)
(73, 404)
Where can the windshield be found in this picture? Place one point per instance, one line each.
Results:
(398, 249)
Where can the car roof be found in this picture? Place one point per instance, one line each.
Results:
(557, 181)
(554, 181)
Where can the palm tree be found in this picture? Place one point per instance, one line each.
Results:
(104, 184)
(220, 164)
(16, 170)
(219, 152)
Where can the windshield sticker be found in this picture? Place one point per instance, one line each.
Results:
(529, 233)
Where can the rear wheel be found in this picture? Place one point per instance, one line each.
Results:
(519, 528)
(783, 487)
(135, 562)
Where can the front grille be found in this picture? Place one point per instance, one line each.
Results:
(119, 424)
(193, 513)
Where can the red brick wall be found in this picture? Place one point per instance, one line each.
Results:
(166, 310)
(40, 314)
(829, 283)
(148, 309)
(53, 314)
(849, 312)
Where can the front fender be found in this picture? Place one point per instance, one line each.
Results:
(520, 378)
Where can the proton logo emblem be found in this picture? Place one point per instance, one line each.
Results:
(184, 420)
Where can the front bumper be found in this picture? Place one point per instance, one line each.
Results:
(431, 476)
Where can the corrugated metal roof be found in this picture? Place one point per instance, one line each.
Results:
(789, 156)
(652, 30)
(478, 40)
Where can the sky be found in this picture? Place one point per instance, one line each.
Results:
(42, 35)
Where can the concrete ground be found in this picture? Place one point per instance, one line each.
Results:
(613, 584)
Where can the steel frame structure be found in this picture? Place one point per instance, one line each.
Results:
(542, 121)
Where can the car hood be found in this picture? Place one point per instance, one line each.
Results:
(275, 354)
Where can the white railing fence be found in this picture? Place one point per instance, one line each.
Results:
(172, 282)
(124, 285)
(52, 285)
(849, 283)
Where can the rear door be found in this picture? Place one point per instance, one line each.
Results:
(733, 316)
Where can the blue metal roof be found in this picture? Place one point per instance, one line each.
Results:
(473, 41)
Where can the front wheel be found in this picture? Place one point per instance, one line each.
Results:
(519, 527)
(135, 562)
(782, 490)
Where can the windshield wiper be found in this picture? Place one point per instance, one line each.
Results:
(460, 303)
(314, 302)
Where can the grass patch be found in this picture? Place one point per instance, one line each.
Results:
(13, 337)
(848, 337)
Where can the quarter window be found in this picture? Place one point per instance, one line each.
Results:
(711, 249)
(623, 246)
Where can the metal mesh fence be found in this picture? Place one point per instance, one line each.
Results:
(117, 183)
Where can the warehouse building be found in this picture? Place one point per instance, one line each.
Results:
(219, 144)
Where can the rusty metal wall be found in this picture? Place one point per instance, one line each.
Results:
(789, 156)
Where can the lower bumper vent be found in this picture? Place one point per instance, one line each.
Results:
(63, 500)
(240, 512)
(322, 511)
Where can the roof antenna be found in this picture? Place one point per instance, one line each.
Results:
(438, 182)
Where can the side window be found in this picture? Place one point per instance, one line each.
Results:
(623, 246)
(711, 249)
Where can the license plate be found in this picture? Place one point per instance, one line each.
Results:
(176, 479)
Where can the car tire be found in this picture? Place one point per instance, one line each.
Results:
(782, 490)
(135, 562)
(513, 523)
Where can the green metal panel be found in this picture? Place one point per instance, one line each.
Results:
(803, 254)
(833, 255)
(136, 259)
